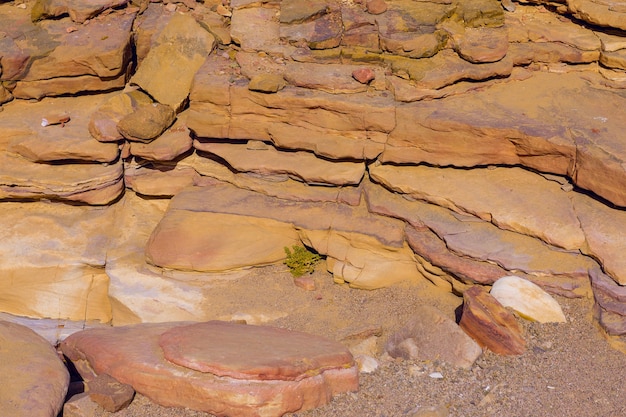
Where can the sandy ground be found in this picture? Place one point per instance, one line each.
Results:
(568, 370)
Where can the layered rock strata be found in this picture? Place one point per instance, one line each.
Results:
(483, 142)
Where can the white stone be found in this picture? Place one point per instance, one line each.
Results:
(527, 299)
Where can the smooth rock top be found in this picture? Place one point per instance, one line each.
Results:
(132, 355)
(34, 381)
(528, 299)
(252, 352)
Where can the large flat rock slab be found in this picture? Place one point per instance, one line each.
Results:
(24, 130)
(34, 379)
(133, 355)
(252, 352)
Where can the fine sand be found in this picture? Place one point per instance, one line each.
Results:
(568, 369)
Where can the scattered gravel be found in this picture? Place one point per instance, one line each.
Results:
(568, 369)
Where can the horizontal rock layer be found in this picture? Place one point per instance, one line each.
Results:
(438, 165)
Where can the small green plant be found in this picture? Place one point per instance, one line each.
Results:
(301, 261)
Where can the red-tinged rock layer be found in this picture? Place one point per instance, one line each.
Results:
(137, 355)
(490, 324)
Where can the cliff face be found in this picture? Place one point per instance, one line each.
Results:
(453, 141)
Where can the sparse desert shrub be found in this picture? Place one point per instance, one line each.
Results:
(301, 261)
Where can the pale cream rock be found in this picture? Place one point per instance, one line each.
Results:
(52, 259)
(528, 299)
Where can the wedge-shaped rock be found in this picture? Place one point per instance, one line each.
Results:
(430, 335)
(599, 13)
(33, 377)
(490, 324)
(477, 251)
(304, 166)
(510, 198)
(527, 299)
(610, 303)
(168, 70)
(240, 378)
(603, 227)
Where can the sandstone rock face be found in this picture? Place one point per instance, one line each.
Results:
(168, 69)
(401, 140)
(431, 335)
(34, 379)
(256, 385)
(67, 267)
(56, 62)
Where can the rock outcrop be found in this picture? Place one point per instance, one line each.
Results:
(454, 142)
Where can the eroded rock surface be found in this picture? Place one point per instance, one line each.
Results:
(34, 379)
(176, 364)
(404, 141)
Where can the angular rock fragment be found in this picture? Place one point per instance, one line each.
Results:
(147, 122)
(490, 324)
(430, 335)
(109, 393)
(168, 70)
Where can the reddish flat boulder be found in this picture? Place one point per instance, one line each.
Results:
(251, 352)
(133, 355)
(490, 324)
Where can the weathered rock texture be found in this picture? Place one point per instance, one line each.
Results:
(34, 379)
(254, 371)
(452, 141)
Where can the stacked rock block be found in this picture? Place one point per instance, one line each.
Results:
(455, 141)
